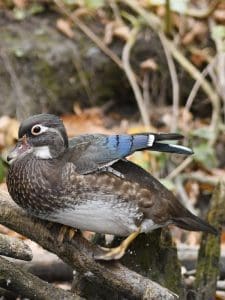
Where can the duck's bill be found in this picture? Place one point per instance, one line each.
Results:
(21, 147)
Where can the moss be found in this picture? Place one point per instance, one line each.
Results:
(155, 256)
(47, 77)
(2, 170)
(209, 253)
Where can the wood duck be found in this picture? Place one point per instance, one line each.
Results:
(87, 183)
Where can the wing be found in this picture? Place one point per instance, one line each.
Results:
(162, 202)
(93, 152)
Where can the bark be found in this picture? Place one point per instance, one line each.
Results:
(13, 247)
(78, 253)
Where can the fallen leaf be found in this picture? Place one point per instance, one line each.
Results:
(20, 3)
(8, 131)
(149, 64)
(122, 32)
(65, 27)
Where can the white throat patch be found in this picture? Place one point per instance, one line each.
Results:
(42, 152)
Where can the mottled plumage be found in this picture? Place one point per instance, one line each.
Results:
(86, 183)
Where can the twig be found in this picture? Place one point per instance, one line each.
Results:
(206, 86)
(200, 178)
(13, 247)
(92, 36)
(83, 78)
(195, 89)
(154, 22)
(183, 195)
(131, 77)
(78, 253)
(146, 93)
(203, 13)
(219, 80)
(116, 11)
(180, 168)
(17, 280)
(174, 79)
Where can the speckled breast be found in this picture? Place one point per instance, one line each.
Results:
(30, 188)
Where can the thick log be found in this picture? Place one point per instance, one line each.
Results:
(78, 253)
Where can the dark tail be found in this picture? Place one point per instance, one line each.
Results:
(168, 136)
(153, 142)
(170, 148)
(193, 223)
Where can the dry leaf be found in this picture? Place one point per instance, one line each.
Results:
(199, 57)
(108, 36)
(65, 27)
(219, 16)
(122, 32)
(198, 31)
(89, 121)
(82, 12)
(8, 131)
(117, 29)
(149, 64)
(20, 3)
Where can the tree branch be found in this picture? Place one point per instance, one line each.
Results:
(13, 247)
(17, 280)
(78, 253)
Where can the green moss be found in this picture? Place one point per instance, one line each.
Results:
(209, 253)
(2, 170)
(48, 79)
(155, 256)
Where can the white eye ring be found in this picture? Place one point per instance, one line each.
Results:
(37, 129)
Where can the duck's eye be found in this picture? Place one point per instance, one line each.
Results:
(36, 129)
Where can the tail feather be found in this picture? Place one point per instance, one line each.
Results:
(153, 142)
(168, 136)
(170, 148)
(193, 223)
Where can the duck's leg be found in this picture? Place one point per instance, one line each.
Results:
(117, 252)
(66, 230)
